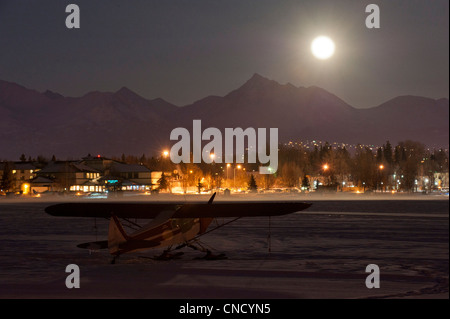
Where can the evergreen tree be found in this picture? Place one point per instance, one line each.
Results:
(7, 182)
(305, 183)
(252, 184)
(23, 158)
(199, 186)
(387, 153)
(163, 182)
(143, 159)
(42, 160)
(397, 154)
(379, 155)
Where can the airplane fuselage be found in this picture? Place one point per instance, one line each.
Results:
(173, 231)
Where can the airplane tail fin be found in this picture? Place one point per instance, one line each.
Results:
(116, 235)
(204, 222)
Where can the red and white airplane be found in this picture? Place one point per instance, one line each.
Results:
(173, 225)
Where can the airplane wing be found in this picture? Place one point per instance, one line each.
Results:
(146, 210)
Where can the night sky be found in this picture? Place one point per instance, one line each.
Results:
(183, 51)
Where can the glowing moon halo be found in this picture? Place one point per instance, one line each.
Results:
(322, 47)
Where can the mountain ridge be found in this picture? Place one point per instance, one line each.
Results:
(125, 122)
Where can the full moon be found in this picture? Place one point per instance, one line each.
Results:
(322, 47)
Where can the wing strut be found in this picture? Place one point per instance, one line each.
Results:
(200, 235)
(211, 199)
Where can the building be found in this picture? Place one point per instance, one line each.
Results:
(69, 176)
(137, 177)
(41, 185)
(99, 163)
(22, 174)
(120, 176)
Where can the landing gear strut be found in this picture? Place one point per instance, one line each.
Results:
(209, 254)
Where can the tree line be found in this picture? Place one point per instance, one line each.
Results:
(383, 168)
(379, 168)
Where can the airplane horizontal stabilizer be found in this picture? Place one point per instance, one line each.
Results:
(94, 245)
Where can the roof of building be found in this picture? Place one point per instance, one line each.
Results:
(19, 166)
(66, 166)
(41, 180)
(24, 166)
(89, 157)
(128, 168)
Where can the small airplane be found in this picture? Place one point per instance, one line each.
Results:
(174, 224)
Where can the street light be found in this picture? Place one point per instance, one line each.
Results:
(381, 167)
(325, 179)
(165, 154)
(234, 175)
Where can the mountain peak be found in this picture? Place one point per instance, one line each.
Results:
(257, 82)
(125, 91)
(257, 76)
(259, 79)
(128, 95)
(52, 95)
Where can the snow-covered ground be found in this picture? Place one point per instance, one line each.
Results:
(318, 253)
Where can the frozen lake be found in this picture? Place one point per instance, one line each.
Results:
(318, 253)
